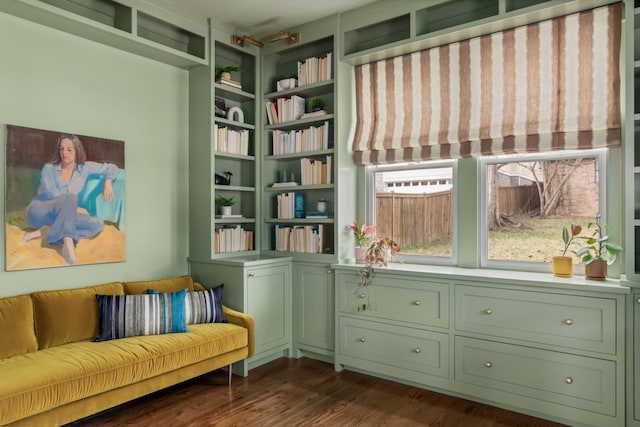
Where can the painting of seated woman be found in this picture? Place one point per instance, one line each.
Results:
(64, 199)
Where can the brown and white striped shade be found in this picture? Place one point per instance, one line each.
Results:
(552, 85)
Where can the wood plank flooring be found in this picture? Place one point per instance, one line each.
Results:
(304, 392)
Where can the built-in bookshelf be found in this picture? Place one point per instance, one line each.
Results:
(223, 153)
(298, 144)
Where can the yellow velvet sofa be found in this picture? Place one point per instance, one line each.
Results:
(52, 371)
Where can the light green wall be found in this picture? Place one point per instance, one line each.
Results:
(53, 80)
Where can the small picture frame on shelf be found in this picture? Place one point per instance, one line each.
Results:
(220, 107)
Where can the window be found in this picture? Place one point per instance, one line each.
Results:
(413, 203)
(527, 199)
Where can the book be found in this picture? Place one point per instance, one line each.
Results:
(299, 205)
(284, 184)
(231, 83)
(316, 215)
(229, 216)
(313, 114)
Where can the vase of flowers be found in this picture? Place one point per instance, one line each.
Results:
(363, 234)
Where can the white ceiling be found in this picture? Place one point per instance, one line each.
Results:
(258, 18)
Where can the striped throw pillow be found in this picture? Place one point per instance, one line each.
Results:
(202, 306)
(122, 316)
(205, 307)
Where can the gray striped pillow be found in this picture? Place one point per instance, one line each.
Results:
(204, 307)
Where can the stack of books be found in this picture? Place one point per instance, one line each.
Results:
(314, 70)
(231, 83)
(314, 138)
(285, 109)
(314, 171)
(232, 141)
(314, 239)
(290, 205)
(233, 239)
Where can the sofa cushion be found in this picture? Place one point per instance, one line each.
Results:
(50, 378)
(171, 284)
(124, 316)
(16, 323)
(69, 315)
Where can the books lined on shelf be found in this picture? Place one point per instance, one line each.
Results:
(314, 239)
(301, 140)
(233, 239)
(315, 171)
(231, 83)
(232, 141)
(313, 70)
(290, 205)
(285, 109)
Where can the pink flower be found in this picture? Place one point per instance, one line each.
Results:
(362, 233)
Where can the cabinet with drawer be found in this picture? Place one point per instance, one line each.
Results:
(571, 321)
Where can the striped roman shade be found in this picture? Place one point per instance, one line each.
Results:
(551, 85)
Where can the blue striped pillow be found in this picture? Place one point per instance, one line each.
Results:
(202, 306)
(123, 316)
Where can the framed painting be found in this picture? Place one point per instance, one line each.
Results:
(64, 199)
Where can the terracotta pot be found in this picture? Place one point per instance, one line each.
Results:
(562, 266)
(596, 270)
(361, 255)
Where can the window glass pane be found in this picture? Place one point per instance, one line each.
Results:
(414, 206)
(529, 201)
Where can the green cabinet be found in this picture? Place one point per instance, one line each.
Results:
(313, 308)
(261, 287)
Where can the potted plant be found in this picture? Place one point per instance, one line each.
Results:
(225, 72)
(562, 265)
(316, 104)
(225, 204)
(363, 233)
(599, 252)
(381, 251)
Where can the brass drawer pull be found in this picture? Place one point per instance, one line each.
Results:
(488, 364)
(362, 296)
(638, 300)
(568, 322)
(252, 274)
(568, 380)
(417, 302)
(488, 311)
(362, 339)
(417, 350)
(329, 271)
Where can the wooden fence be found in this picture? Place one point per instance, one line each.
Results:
(417, 219)
(413, 219)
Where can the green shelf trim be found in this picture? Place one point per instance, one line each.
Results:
(297, 188)
(294, 221)
(233, 188)
(234, 156)
(313, 89)
(234, 220)
(233, 94)
(233, 254)
(294, 124)
(233, 124)
(299, 155)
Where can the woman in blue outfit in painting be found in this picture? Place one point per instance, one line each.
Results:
(56, 204)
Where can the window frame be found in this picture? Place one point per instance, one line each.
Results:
(427, 164)
(602, 157)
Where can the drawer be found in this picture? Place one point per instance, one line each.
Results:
(557, 378)
(393, 298)
(406, 348)
(570, 321)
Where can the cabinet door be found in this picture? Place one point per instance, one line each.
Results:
(269, 302)
(636, 356)
(315, 306)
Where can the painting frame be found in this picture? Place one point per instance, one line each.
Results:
(64, 199)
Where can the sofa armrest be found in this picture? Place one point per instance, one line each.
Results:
(244, 320)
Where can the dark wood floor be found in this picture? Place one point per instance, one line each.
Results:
(304, 392)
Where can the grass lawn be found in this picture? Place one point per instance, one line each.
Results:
(537, 241)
